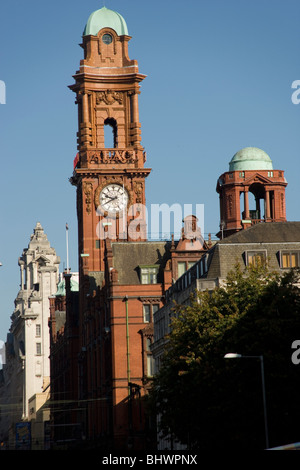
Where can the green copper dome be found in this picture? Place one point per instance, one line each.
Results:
(250, 158)
(105, 18)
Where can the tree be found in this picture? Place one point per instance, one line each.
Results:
(207, 402)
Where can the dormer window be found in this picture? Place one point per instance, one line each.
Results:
(289, 259)
(148, 274)
(256, 258)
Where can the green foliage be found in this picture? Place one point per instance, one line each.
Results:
(208, 402)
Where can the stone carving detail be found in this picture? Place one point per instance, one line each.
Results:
(138, 189)
(112, 156)
(114, 179)
(150, 300)
(109, 97)
(88, 191)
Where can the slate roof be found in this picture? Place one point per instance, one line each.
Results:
(270, 236)
(128, 256)
(276, 232)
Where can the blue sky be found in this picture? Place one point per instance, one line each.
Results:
(219, 77)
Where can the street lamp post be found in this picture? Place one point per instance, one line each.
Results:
(238, 356)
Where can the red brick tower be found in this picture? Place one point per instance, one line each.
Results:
(110, 182)
(250, 175)
(110, 178)
(122, 276)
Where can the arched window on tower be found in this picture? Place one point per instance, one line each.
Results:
(110, 133)
(255, 196)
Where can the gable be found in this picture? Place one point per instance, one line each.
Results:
(258, 178)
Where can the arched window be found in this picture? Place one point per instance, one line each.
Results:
(110, 133)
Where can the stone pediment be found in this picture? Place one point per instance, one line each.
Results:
(42, 260)
(258, 178)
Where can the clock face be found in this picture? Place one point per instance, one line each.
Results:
(113, 198)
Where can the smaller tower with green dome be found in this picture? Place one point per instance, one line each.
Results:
(252, 191)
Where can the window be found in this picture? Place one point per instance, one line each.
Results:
(149, 274)
(181, 268)
(150, 358)
(148, 362)
(107, 38)
(110, 133)
(148, 311)
(38, 330)
(38, 349)
(256, 258)
(155, 307)
(150, 365)
(290, 259)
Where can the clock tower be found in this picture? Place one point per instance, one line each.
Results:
(109, 177)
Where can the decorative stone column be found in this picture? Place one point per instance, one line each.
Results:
(85, 125)
(267, 204)
(246, 203)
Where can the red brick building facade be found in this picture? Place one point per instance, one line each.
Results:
(101, 360)
(122, 276)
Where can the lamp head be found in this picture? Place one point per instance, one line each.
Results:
(232, 356)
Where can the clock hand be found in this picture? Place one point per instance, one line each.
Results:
(111, 198)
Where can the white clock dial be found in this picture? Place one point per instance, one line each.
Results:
(113, 198)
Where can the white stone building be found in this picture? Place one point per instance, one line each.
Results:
(26, 372)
